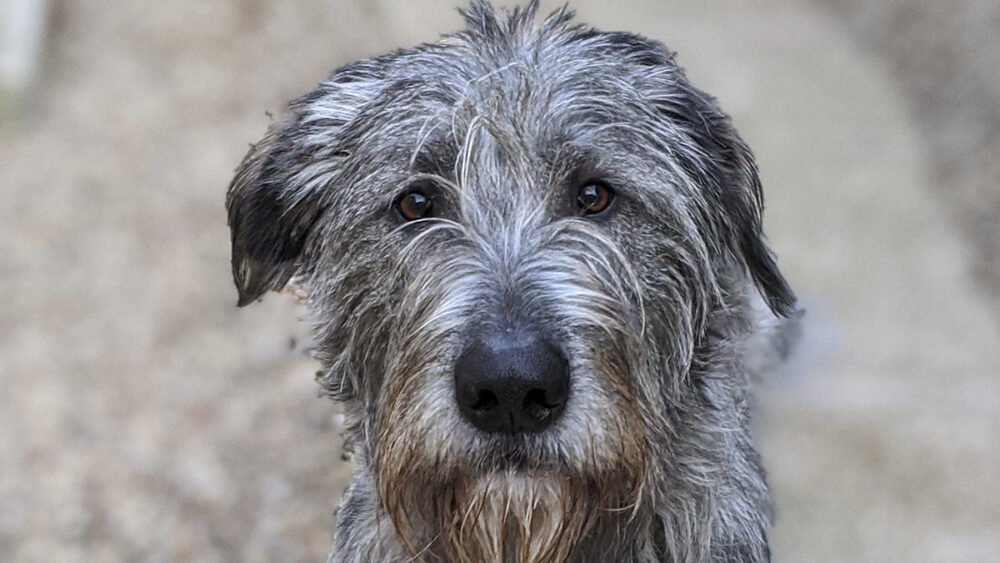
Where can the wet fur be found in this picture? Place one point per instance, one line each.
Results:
(653, 459)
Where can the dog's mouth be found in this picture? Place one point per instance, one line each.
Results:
(518, 453)
(513, 457)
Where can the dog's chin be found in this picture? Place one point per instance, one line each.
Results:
(516, 504)
(502, 515)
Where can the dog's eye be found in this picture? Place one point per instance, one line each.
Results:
(414, 205)
(593, 198)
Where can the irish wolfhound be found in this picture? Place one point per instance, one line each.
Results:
(530, 252)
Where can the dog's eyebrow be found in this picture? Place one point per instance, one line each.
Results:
(434, 155)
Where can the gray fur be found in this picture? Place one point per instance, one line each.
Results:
(653, 459)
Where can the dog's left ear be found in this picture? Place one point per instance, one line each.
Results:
(722, 165)
(741, 196)
(726, 170)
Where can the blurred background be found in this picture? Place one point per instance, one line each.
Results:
(144, 418)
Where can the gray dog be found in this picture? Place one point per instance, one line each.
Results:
(531, 252)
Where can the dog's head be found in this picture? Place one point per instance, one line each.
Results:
(518, 243)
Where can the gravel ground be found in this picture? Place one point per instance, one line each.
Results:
(146, 418)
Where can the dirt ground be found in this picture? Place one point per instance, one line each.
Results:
(145, 418)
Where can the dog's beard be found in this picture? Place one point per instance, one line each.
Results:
(502, 517)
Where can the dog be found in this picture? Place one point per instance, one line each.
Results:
(531, 253)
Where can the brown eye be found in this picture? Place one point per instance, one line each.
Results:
(593, 198)
(414, 205)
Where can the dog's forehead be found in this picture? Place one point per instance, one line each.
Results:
(546, 80)
(528, 82)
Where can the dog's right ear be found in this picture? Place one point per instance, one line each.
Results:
(270, 217)
(284, 184)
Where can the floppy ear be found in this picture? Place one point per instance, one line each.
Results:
(741, 196)
(725, 169)
(283, 186)
(270, 217)
(722, 165)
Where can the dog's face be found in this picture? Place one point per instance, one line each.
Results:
(514, 242)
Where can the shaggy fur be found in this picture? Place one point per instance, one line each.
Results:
(651, 302)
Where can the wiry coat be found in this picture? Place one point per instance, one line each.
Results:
(502, 123)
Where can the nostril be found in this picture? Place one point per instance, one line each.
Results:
(486, 401)
(537, 404)
(537, 398)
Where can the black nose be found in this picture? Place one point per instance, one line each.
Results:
(511, 383)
